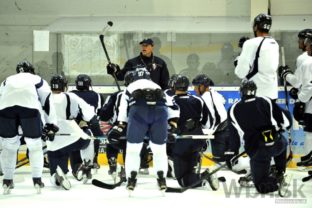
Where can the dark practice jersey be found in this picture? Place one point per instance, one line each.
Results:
(92, 98)
(155, 65)
(192, 107)
(249, 118)
(109, 111)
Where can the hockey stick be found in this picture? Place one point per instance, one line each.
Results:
(101, 184)
(212, 160)
(195, 184)
(109, 24)
(290, 156)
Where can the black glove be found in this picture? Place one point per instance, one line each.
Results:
(283, 71)
(115, 133)
(228, 155)
(49, 131)
(293, 92)
(112, 68)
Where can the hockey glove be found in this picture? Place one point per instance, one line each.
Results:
(49, 131)
(112, 68)
(293, 92)
(172, 133)
(115, 133)
(283, 71)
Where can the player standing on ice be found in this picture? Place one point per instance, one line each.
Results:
(85, 92)
(25, 101)
(259, 58)
(143, 111)
(68, 107)
(258, 122)
(109, 112)
(300, 80)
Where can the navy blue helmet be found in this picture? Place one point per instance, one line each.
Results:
(83, 82)
(263, 22)
(248, 89)
(182, 83)
(202, 79)
(58, 83)
(25, 66)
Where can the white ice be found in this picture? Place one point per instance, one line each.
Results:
(147, 195)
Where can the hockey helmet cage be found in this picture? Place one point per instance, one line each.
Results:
(248, 89)
(182, 83)
(58, 83)
(202, 79)
(263, 22)
(25, 66)
(83, 82)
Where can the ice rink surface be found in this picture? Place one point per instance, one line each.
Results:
(146, 194)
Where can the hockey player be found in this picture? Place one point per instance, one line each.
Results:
(109, 112)
(25, 103)
(85, 92)
(194, 115)
(215, 103)
(259, 58)
(261, 136)
(71, 138)
(143, 101)
(304, 94)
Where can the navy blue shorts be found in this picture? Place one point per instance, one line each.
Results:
(12, 117)
(147, 120)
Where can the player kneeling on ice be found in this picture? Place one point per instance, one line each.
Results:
(70, 137)
(259, 121)
(194, 116)
(24, 102)
(144, 112)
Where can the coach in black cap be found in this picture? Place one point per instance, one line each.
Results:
(155, 65)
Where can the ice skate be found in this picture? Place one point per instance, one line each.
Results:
(38, 184)
(283, 184)
(132, 182)
(246, 181)
(84, 172)
(161, 180)
(61, 179)
(7, 186)
(112, 163)
(212, 179)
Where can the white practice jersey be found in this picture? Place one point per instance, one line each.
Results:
(213, 98)
(296, 79)
(305, 92)
(266, 78)
(68, 106)
(173, 112)
(30, 91)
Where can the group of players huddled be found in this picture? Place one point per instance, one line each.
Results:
(157, 111)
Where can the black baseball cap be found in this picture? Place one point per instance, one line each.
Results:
(147, 41)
